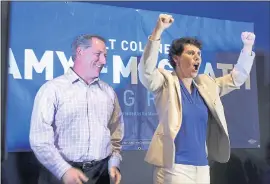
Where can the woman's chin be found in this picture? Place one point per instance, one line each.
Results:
(194, 74)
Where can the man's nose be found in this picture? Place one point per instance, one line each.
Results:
(102, 59)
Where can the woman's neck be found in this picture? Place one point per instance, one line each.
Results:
(187, 82)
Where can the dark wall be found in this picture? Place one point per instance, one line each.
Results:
(4, 46)
(246, 166)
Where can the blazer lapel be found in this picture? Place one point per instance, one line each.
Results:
(205, 94)
(175, 127)
(177, 87)
(208, 99)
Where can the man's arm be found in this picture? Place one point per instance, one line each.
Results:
(116, 126)
(241, 70)
(149, 75)
(42, 133)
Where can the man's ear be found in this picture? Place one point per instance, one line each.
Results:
(79, 51)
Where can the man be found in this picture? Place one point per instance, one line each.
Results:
(192, 126)
(77, 124)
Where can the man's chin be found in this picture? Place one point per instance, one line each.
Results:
(97, 73)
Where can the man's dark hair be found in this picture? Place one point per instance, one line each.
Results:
(177, 47)
(83, 42)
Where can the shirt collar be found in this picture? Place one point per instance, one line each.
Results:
(193, 84)
(74, 77)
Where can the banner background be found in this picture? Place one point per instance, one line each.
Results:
(46, 30)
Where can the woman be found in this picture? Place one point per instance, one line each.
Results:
(192, 127)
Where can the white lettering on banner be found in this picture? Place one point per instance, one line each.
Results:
(119, 69)
(124, 45)
(209, 70)
(166, 48)
(112, 41)
(150, 97)
(13, 67)
(248, 83)
(129, 98)
(65, 63)
(226, 68)
(138, 46)
(133, 46)
(31, 61)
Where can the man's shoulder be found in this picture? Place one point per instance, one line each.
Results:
(105, 85)
(53, 84)
(60, 79)
(108, 88)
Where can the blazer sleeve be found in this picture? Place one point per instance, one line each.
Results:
(116, 127)
(237, 76)
(149, 75)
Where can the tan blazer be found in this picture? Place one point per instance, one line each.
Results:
(165, 87)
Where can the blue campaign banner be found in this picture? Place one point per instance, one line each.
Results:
(41, 34)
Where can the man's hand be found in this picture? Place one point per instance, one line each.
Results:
(164, 21)
(74, 176)
(248, 40)
(115, 175)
